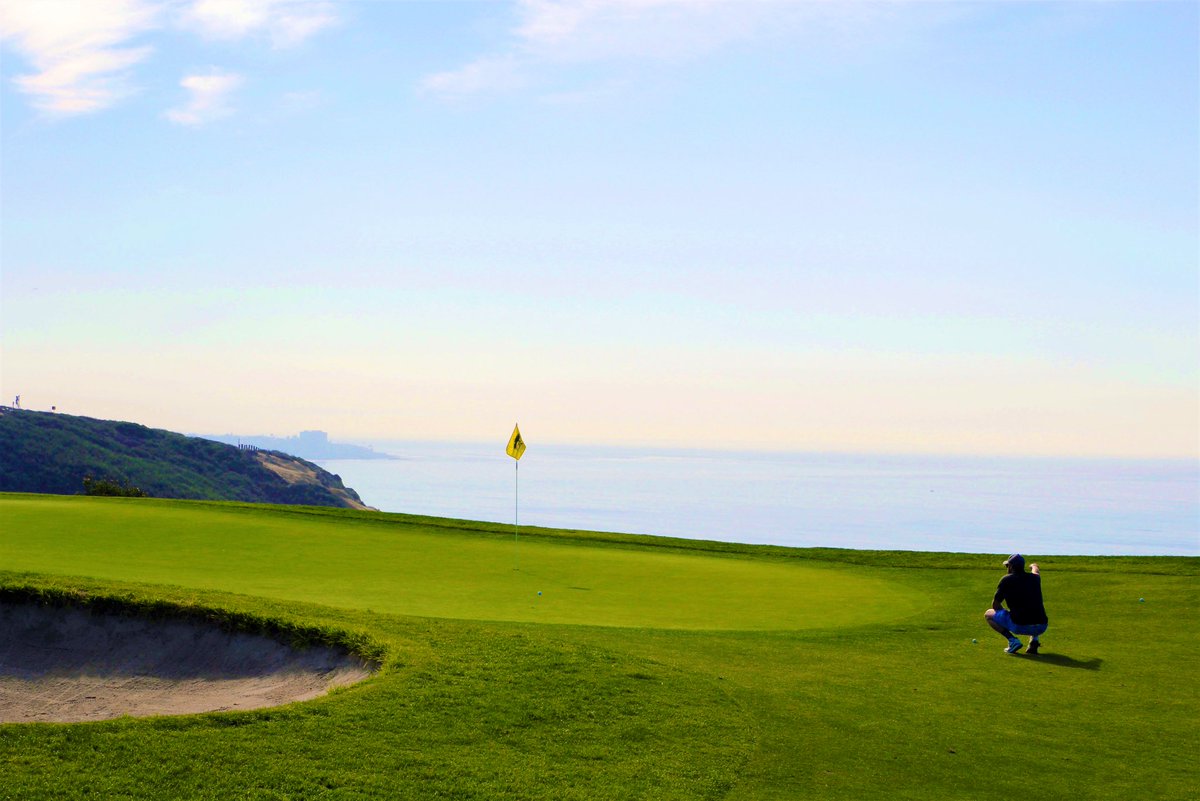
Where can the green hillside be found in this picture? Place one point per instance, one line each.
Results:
(54, 453)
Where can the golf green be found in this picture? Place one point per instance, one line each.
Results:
(390, 564)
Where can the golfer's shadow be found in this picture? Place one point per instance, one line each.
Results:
(1062, 660)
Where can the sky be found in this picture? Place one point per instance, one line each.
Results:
(819, 226)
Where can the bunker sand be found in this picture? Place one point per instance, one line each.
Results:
(66, 665)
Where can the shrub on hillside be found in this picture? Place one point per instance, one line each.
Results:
(107, 486)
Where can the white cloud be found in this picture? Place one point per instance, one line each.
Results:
(84, 52)
(286, 23)
(209, 98)
(549, 37)
(483, 75)
(79, 49)
(590, 29)
(548, 34)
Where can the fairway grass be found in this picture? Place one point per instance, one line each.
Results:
(647, 668)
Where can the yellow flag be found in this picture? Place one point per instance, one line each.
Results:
(516, 445)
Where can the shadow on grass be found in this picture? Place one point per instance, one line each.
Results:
(1061, 660)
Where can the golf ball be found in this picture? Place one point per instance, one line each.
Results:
(975, 641)
(539, 592)
(1141, 600)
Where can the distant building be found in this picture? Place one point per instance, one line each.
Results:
(312, 445)
(313, 439)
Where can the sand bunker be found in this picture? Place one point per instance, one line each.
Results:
(72, 664)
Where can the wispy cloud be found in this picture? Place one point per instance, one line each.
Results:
(209, 98)
(548, 35)
(286, 23)
(486, 74)
(80, 50)
(84, 52)
(548, 38)
(593, 29)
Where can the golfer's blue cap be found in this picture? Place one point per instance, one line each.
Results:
(1015, 559)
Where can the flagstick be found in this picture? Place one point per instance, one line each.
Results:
(516, 508)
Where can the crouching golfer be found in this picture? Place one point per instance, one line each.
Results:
(1025, 613)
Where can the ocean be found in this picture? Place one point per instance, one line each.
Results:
(996, 505)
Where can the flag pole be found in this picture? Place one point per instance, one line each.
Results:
(516, 447)
(516, 507)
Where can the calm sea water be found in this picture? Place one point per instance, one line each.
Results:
(969, 504)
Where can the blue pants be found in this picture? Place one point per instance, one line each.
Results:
(1005, 619)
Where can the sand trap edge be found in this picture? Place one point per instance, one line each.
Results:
(297, 661)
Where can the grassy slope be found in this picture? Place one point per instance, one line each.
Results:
(875, 692)
(44, 452)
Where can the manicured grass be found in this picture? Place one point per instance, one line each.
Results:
(394, 564)
(684, 670)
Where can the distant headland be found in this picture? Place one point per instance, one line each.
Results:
(306, 445)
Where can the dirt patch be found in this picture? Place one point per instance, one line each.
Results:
(297, 471)
(64, 664)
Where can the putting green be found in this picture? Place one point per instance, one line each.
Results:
(390, 564)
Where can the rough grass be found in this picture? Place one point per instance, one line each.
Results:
(479, 700)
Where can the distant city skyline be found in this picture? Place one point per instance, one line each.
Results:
(872, 227)
(306, 445)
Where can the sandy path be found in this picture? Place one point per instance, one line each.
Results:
(69, 665)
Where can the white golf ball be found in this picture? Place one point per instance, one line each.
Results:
(975, 641)
(539, 592)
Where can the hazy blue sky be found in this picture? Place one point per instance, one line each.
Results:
(937, 227)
